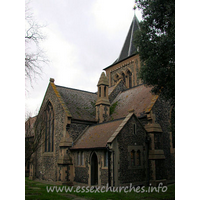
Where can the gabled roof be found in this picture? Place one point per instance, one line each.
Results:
(129, 48)
(140, 99)
(81, 104)
(96, 136)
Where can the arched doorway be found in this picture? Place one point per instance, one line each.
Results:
(94, 169)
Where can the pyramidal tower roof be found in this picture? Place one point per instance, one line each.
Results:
(103, 80)
(129, 48)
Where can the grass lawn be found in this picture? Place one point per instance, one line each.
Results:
(37, 190)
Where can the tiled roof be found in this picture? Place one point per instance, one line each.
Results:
(138, 98)
(97, 136)
(81, 104)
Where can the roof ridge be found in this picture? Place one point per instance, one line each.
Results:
(108, 122)
(82, 133)
(133, 87)
(60, 99)
(120, 127)
(76, 89)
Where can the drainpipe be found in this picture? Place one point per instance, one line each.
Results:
(109, 167)
(148, 139)
(109, 172)
(113, 169)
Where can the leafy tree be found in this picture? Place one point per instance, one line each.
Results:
(156, 42)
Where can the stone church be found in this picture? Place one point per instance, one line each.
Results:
(117, 136)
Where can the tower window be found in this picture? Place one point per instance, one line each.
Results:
(129, 75)
(124, 78)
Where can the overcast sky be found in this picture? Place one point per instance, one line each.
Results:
(82, 38)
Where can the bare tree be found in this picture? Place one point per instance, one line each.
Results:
(34, 132)
(34, 55)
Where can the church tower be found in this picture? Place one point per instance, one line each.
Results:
(127, 66)
(102, 103)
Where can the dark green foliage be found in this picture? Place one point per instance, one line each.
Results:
(93, 103)
(112, 107)
(156, 41)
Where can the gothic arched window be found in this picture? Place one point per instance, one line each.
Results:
(129, 75)
(49, 128)
(116, 78)
(123, 77)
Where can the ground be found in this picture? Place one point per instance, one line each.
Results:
(38, 190)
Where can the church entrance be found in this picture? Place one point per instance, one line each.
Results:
(94, 169)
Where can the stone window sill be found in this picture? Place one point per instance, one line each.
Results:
(48, 154)
(135, 167)
(80, 166)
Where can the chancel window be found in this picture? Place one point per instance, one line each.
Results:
(49, 128)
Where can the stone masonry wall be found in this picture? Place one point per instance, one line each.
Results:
(46, 162)
(128, 140)
(76, 129)
(82, 172)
